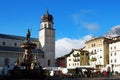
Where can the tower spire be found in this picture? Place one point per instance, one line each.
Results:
(47, 17)
(47, 11)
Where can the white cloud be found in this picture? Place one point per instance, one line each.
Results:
(80, 19)
(90, 26)
(76, 18)
(65, 45)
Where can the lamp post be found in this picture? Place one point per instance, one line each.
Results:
(112, 68)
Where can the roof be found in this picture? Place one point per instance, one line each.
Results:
(81, 50)
(97, 39)
(47, 17)
(18, 49)
(6, 36)
(71, 52)
(115, 39)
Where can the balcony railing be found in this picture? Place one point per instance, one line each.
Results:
(93, 59)
(93, 53)
(76, 55)
(76, 60)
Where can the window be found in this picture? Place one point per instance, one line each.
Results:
(95, 50)
(115, 60)
(114, 47)
(42, 56)
(111, 54)
(15, 44)
(94, 44)
(111, 60)
(49, 62)
(3, 43)
(115, 54)
(100, 49)
(49, 25)
(111, 48)
(69, 59)
(75, 64)
(6, 61)
(69, 64)
(45, 25)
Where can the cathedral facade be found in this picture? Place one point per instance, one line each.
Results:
(10, 50)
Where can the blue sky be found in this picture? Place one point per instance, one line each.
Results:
(73, 19)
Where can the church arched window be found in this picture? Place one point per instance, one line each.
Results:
(49, 62)
(15, 44)
(3, 43)
(6, 61)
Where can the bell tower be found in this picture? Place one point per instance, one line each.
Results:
(47, 39)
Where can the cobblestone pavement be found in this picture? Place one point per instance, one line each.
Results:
(57, 78)
(100, 78)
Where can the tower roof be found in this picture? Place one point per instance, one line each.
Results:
(47, 17)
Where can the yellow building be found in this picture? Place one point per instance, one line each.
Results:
(84, 57)
(99, 51)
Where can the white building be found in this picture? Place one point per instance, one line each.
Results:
(10, 44)
(73, 62)
(77, 58)
(114, 54)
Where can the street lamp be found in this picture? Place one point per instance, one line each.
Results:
(112, 68)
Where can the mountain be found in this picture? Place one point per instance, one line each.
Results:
(114, 31)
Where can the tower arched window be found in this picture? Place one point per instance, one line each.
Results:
(45, 25)
(49, 62)
(50, 26)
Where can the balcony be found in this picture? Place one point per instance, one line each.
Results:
(93, 53)
(93, 59)
(76, 60)
(76, 55)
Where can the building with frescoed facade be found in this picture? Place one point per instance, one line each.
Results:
(10, 49)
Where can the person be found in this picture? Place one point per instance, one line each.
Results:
(104, 73)
(28, 35)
